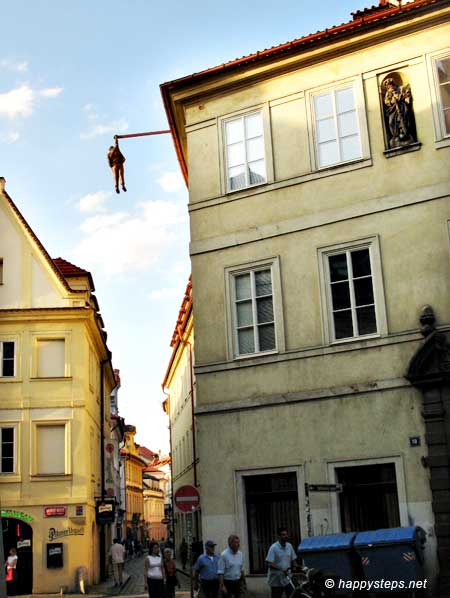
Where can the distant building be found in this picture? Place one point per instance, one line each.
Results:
(56, 378)
(114, 461)
(134, 525)
(318, 175)
(155, 483)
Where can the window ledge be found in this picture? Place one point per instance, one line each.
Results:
(6, 379)
(59, 378)
(50, 477)
(405, 149)
(354, 339)
(10, 478)
(242, 189)
(255, 355)
(445, 142)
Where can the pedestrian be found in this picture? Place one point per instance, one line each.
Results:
(205, 570)
(183, 553)
(170, 570)
(231, 569)
(11, 572)
(281, 559)
(117, 555)
(154, 574)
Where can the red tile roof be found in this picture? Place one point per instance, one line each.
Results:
(363, 20)
(69, 270)
(147, 453)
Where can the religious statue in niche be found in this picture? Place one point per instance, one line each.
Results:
(399, 122)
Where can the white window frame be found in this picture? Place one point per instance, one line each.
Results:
(14, 472)
(358, 90)
(371, 243)
(8, 340)
(332, 466)
(273, 264)
(263, 109)
(442, 138)
(35, 448)
(49, 336)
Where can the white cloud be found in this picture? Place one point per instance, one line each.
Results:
(171, 181)
(116, 126)
(51, 92)
(94, 202)
(21, 101)
(10, 137)
(167, 293)
(10, 65)
(124, 242)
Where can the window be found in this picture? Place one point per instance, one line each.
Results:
(337, 127)
(443, 82)
(245, 151)
(51, 358)
(7, 358)
(7, 450)
(369, 498)
(353, 293)
(51, 449)
(1, 270)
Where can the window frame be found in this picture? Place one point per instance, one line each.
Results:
(35, 449)
(371, 243)
(273, 264)
(49, 336)
(13, 426)
(442, 138)
(361, 113)
(267, 142)
(8, 340)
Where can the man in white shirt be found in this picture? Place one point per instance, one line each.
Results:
(281, 559)
(231, 569)
(117, 554)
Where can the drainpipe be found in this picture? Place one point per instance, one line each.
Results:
(194, 444)
(102, 464)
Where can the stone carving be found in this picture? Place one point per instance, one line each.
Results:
(398, 112)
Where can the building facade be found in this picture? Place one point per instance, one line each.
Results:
(319, 213)
(179, 384)
(154, 484)
(134, 524)
(56, 378)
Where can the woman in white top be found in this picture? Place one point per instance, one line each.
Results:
(154, 575)
(11, 571)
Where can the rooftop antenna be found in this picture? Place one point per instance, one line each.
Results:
(116, 159)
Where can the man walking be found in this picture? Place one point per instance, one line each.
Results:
(205, 568)
(117, 559)
(281, 558)
(231, 569)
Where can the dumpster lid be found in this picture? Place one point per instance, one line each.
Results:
(330, 542)
(395, 535)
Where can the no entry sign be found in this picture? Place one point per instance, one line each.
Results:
(187, 499)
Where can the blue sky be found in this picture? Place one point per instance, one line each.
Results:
(71, 75)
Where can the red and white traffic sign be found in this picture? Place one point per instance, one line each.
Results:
(187, 499)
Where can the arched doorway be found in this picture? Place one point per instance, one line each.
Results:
(18, 534)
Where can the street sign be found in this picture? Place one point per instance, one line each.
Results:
(325, 487)
(187, 499)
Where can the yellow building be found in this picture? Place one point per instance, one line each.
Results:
(155, 484)
(179, 383)
(319, 209)
(55, 381)
(134, 497)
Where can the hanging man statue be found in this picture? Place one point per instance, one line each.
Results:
(116, 160)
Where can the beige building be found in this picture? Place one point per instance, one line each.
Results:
(56, 378)
(179, 384)
(155, 484)
(319, 210)
(134, 524)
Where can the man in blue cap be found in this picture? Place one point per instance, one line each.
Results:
(205, 569)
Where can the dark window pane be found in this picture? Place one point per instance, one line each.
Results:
(340, 292)
(363, 291)
(263, 282)
(265, 310)
(8, 367)
(266, 337)
(443, 69)
(367, 323)
(7, 465)
(445, 95)
(447, 121)
(7, 434)
(8, 450)
(8, 350)
(246, 341)
(343, 327)
(361, 263)
(338, 267)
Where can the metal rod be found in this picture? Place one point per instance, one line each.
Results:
(142, 134)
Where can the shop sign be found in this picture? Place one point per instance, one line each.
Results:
(23, 544)
(79, 511)
(55, 511)
(54, 534)
(105, 511)
(17, 515)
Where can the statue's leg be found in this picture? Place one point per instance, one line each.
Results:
(115, 170)
(122, 177)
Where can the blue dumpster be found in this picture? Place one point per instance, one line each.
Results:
(394, 554)
(333, 553)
